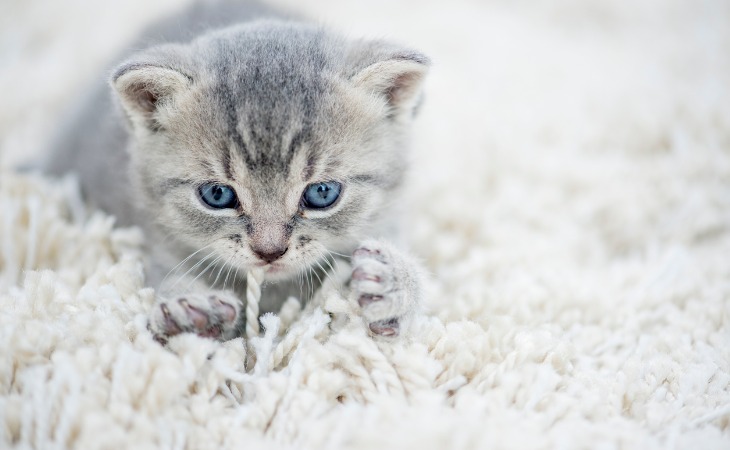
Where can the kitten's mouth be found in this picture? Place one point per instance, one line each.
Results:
(275, 268)
(276, 271)
(267, 266)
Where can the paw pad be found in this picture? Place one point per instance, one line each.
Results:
(378, 283)
(206, 316)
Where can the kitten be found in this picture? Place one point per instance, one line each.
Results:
(272, 144)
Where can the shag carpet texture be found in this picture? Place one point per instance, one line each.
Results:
(570, 196)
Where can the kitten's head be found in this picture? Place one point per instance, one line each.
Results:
(269, 144)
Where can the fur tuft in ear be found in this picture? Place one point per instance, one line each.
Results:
(144, 88)
(398, 79)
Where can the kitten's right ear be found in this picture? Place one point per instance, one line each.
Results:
(145, 90)
(393, 73)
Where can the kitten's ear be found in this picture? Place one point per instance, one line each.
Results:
(145, 89)
(398, 77)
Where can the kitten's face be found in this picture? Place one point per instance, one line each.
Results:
(270, 159)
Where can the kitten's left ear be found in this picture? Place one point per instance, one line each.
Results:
(146, 87)
(398, 78)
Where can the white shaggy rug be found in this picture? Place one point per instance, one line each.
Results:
(570, 195)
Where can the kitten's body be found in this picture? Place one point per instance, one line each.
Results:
(268, 110)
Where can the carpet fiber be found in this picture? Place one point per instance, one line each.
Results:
(570, 195)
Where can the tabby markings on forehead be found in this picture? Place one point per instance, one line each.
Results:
(226, 161)
(225, 95)
(289, 101)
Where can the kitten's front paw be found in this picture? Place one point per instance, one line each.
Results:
(213, 315)
(386, 286)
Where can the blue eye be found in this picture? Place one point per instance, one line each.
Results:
(218, 196)
(321, 195)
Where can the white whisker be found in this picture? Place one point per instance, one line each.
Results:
(328, 273)
(339, 254)
(301, 281)
(212, 264)
(310, 283)
(194, 267)
(184, 261)
(228, 274)
(235, 278)
(221, 270)
(314, 271)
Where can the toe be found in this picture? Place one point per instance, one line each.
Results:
(369, 253)
(225, 311)
(212, 332)
(364, 275)
(366, 299)
(170, 326)
(387, 327)
(197, 317)
(364, 251)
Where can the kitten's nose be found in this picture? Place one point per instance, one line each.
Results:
(269, 255)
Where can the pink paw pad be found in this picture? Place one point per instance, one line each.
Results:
(205, 316)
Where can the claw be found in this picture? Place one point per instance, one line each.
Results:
(212, 332)
(387, 327)
(197, 317)
(171, 327)
(367, 299)
(360, 274)
(227, 311)
(157, 337)
(362, 251)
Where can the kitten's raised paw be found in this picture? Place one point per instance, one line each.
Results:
(213, 315)
(385, 285)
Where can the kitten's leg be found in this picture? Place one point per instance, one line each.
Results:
(386, 284)
(214, 314)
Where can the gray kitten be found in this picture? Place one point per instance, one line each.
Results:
(271, 144)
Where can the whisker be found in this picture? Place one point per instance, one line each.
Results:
(221, 270)
(174, 269)
(314, 271)
(235, 277)
(328, 273)
(339, 254)
(301, 281)
(308, 277)
(212, 264)
(179, 278)
(228, 274)
(327, 257)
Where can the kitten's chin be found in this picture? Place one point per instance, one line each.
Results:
(278, 272)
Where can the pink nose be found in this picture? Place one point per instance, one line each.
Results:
(269, 255)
